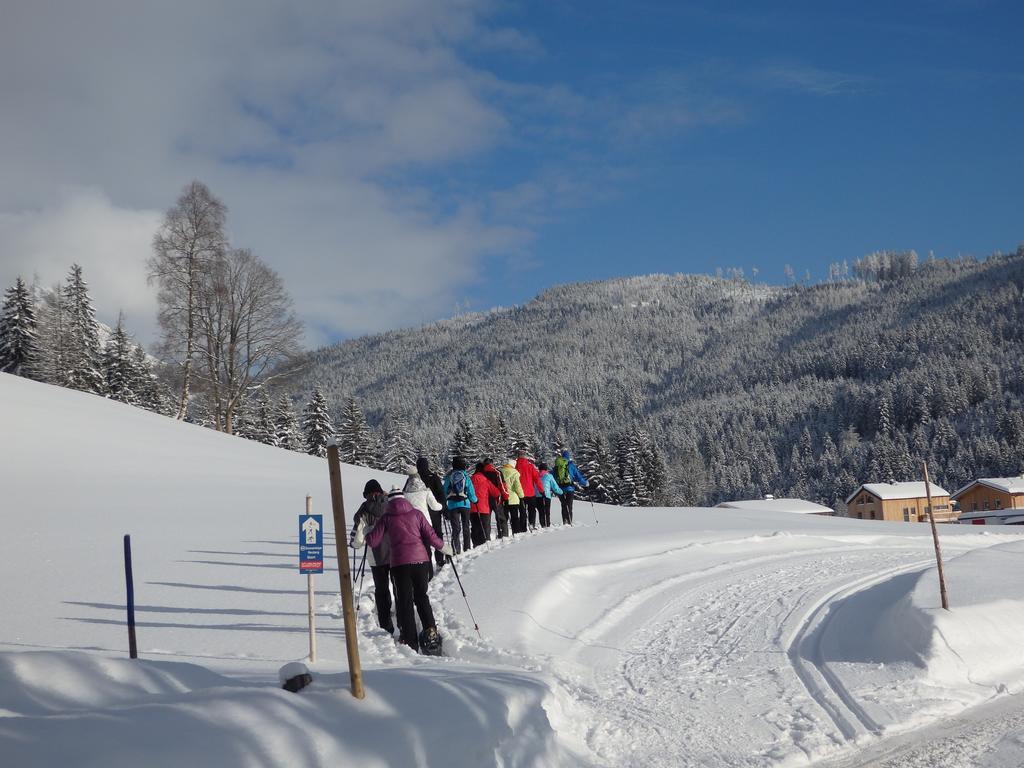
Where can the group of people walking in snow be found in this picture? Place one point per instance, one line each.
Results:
(397, 530)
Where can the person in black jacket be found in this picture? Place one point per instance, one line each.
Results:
(433, 482)
(369, 512)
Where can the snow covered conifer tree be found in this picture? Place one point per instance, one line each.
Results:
(355, 440)
(52, 350)
(152, 394)
(655, 474)
(261, 421)
(494, 440)
(397, 445)
(464, 442)
(595, 462)
(17, 331)
(627, 459)
(317, 425)
(286, 425)
(121, 374)
(83, 342)
(519, 441)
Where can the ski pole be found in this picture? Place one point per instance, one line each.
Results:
(362, 573)
(594, 510)
(456, 572)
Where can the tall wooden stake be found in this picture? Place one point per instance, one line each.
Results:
(935, 538)
(344, 574)
(309, 597)
(133, 651)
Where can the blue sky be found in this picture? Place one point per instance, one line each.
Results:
(817, 132)
(398, 161)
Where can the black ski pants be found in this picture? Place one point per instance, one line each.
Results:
(566, 499)
(382, 596)
(545, 511)
(438, 526)
(411, 589)
(517, 517)
(500, 512)
(481, 525)
(455, 520)
(533, 507)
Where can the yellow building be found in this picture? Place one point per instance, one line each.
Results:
(905, 502)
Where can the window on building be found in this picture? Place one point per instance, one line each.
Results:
(906, 515)
(985, 505)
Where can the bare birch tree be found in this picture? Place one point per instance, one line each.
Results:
(190, 240)
(246, 329)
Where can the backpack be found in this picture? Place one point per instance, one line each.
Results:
(457, 486)
(562, 476)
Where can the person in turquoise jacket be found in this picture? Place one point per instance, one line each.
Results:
(548, 486)
(459, 494)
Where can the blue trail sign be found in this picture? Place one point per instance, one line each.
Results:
(311, 543)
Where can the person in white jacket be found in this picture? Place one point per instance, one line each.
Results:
(421, 497)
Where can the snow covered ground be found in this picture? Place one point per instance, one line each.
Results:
(654, 637)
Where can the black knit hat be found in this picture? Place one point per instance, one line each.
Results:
(459, 463)
(372, 486)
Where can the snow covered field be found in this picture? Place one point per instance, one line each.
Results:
(656, 637)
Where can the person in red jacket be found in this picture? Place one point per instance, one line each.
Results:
(533, 490)
(498, 505)
(487, 494)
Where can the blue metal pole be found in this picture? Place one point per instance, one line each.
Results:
(133, 651)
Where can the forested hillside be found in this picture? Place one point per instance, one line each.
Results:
(745, 389)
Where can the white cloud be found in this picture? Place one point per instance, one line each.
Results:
(305, 119)
(110, 243)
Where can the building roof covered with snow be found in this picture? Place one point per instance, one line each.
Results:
(884, 491)
(798, 506)
(1004, 484)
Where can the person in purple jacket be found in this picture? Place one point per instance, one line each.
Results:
(409, 534)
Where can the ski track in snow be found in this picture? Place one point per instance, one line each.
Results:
(664, 669)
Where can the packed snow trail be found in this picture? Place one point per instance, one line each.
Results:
(693, 648)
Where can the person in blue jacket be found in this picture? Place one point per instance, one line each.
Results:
(569, 478)
(548, 486)
(459, 494)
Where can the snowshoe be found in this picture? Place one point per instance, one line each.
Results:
(430, 642)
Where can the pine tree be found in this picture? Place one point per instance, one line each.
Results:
(464, 442)
(519, 441)
(153, 395)
(495, 439)
(655, 474)
(18, 336)
(632, 490)
(52, 354)
(121, 375)
(398, 449)
(596, 465)
(317, 425)
(84, 357)
(286, 425)
(355, 440)
(261, 423)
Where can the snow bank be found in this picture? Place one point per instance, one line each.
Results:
(979, 643)
(74, 709)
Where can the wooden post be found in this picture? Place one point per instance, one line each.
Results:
(309, 597)
(133, 651)
(935, 539)
(344, 573)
